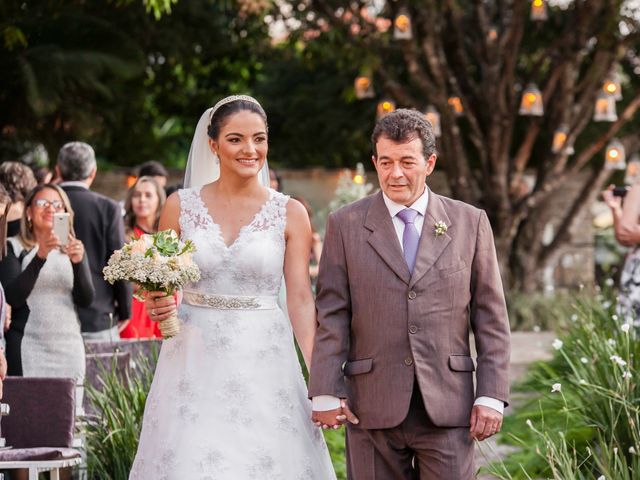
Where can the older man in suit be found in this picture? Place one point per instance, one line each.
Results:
(98, 223)
(404, 274)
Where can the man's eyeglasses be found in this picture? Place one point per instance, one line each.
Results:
(42, 203)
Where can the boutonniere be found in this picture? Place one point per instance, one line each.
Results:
(439, 228)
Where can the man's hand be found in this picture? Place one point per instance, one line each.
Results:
(347, 415)
(485, 422)
(327, 419)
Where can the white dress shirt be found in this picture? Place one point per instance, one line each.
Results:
(322, 403)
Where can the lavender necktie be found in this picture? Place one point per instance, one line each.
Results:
(410, 237)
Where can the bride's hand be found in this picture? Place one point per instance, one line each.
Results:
(159, 306)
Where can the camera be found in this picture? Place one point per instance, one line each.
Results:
(620, 191)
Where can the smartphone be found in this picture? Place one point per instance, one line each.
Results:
(620, 191)
(62, 227)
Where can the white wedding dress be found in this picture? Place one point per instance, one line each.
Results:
(228, 399)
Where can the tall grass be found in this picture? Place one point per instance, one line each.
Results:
(583, 421)
(113, 433)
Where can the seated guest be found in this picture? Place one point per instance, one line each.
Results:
(18, 180)
(44, 283)
(143, 205)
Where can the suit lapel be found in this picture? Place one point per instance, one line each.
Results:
(383, 238)
(430, 247)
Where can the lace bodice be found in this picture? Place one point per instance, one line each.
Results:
(252, 264)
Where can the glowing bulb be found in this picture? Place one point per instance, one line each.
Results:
(402, 22)
(358, 179)
(363, 83)
(456, 104)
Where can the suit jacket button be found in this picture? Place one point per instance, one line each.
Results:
(412, 295)
(413, 329)
(408, 361)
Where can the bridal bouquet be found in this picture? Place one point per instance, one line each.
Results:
(155, 262)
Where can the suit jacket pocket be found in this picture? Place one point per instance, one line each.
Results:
(445, 272)
(358, 367)
(461, 363)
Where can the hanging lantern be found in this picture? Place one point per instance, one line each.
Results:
(432, 115)
(632, 174)
(492, 34)
(560, 140)
(402, 26)
(605, 108)
(531, 103)
(539, 10)
(385, 107)
(363, 87)
(611, 85)
(615, 156)
(456, 105)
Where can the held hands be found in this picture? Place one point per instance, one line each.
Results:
(159, 306)
(334, 418)
(485, 422)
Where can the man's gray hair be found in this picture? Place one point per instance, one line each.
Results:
(76, 161)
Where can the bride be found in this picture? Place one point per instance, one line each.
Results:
(228, 399)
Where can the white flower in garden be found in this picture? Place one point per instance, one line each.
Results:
(557, 344)
(609, 282)
(536, 328)
(556, 387)
(602, 477)
(530, 424)
(632, 450)
(614, 317)
(574, 317)
(627, 374)
(617, 359)
(611, 342)
(625, 327)
(606, 304)
(584, 360)
(582, 381)
(615, 450)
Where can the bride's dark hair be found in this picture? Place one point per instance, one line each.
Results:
(220, 116)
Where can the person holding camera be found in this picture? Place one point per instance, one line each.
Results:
(46, 278)
(625, 208)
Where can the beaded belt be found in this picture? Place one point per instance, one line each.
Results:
(230, 302)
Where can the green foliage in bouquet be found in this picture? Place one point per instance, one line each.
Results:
(167, 244)
(582, 420)
(113, 434)
(154, 262)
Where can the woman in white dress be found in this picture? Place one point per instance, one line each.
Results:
(228, 399)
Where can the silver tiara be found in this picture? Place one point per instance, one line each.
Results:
(233, 98)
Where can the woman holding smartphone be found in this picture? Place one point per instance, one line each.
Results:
(44, 281)
(625, 209)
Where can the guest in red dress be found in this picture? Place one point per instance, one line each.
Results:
(143, 205)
